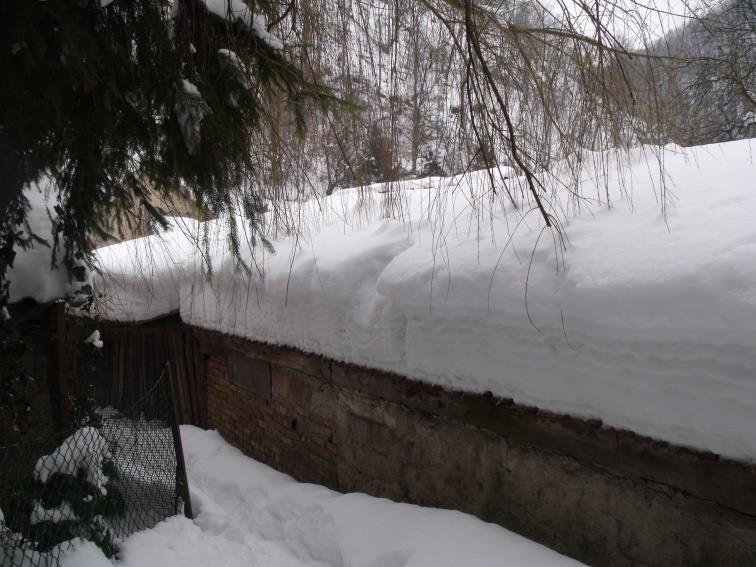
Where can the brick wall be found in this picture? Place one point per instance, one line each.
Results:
(284, 426)
(604, 496)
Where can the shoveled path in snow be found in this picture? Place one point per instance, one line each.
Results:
(250, 515)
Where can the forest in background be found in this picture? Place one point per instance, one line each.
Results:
(421, 108)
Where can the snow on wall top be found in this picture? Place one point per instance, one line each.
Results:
(646, 322)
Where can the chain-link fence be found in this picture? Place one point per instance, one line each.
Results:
(122, 472)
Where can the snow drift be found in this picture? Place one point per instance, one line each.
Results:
(249, 515)
(644, 320)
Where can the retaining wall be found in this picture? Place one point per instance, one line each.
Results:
(601, 495)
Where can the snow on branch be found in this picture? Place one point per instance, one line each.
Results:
(236, 10)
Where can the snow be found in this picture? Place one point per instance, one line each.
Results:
(239, 11)
(191, 110)
(233, 59)
(33, 275)
(646, 321)
(84, 450)
(259, 26)
(55, 515)
(142, 277)
(85, 554)
(94, 339)
(249, 515)
(190, 88)
(147, 483)
(23, 553)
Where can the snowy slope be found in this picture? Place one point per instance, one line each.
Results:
(249, 515)
(645, 321)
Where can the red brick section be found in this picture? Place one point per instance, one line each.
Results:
(601, 495)
(283, 430)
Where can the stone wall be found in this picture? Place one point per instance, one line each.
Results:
(604, 496)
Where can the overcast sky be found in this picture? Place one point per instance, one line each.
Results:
(635, 21)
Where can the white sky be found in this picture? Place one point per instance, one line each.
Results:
(635, 21)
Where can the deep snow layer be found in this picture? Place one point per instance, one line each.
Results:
(646, 320)
(249, 515)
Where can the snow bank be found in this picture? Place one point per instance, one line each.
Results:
(645, 321)
(142, 278)
(249, 515)
(85, 554)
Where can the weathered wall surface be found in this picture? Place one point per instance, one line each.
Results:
(40, 329)
(603, 496)
(135, 355)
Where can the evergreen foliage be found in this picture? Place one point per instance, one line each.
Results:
(88, 360)
(112, 100)
(66, 506)
(99, 99)
(86, 511)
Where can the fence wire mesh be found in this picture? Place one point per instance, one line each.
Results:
(120, 473)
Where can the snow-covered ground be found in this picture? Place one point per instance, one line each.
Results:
(645, 320)
(249, 515)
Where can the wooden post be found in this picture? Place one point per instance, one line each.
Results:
(182, 483)
(61, 362)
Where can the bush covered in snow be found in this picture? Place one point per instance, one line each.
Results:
(70, 496)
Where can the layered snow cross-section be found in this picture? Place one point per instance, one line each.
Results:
(646, 319)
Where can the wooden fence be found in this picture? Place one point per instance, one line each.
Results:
(135, 354)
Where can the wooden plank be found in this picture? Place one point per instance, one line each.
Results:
(61, 366)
